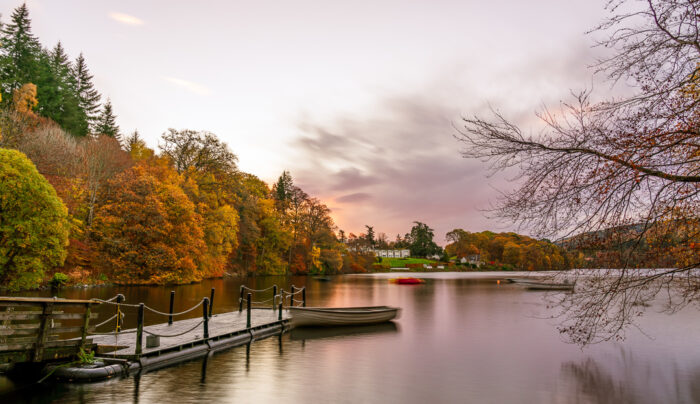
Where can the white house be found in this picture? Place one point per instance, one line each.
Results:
(393, 253)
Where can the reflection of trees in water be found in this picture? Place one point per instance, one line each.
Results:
(629, 379)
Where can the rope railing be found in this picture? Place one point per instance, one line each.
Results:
(173, 335)
(258, 290)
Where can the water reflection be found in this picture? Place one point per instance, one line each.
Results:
(310, 333)
(458, 340)
(626, 378)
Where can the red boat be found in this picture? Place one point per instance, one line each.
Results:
(407, 281)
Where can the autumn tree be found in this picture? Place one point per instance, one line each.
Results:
(147, 230)
(197, 149)
(33, 224)
(612, 164)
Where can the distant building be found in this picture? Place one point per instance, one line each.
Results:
(472, 259)
(393, 253)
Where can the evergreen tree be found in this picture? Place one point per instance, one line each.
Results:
(106, 123)
(68, 113)
(19, 53)
(88, 97)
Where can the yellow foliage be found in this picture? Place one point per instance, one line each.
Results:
(24, 99)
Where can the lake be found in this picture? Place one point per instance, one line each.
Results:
(461, 337)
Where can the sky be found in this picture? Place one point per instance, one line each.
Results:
(359, 100)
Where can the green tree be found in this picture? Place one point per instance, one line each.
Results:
(88, 97)
(421, 241)
(33, 225)
(19, 52)
(106, 123)
(370, 236)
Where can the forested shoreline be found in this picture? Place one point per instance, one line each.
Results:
(84, 203)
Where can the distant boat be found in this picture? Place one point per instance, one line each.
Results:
(322, 278)
(541, 285)
(407, 281)
(337, 316)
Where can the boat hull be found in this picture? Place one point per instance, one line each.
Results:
(332, 317)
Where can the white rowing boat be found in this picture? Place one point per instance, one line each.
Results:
(539, 285)
(335, 316)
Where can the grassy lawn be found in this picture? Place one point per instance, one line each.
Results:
(402, 262)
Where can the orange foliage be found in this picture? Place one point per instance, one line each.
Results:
(147, 230)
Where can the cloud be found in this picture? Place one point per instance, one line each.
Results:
(400, 161)
(125, 18)
(189, 86)
(356, 197)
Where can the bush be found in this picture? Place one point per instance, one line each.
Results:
(59, 279)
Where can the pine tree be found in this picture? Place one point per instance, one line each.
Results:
(69, 115)
(88, 97)
(106, 123)
(20, 51)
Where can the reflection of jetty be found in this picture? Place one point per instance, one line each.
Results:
(123, 352)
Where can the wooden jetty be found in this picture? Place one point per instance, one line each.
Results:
(124, 352)
(30, 328)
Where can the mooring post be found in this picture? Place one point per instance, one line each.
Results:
(274, 295)
(250, 298)
(139, 329)
(205, 315)
(172, 302)
(279, 316)
(303, 297)
(240, 300)
(86, 325)
(211, 302)
(291, 297)
(120, 298)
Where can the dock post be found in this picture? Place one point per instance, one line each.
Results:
(303, 297)
(211, 302)
(250, 298)
(279, 316)
(205, 315)
(274, 294)
(240, 300)
(86, 325)
(172, 302)
(291, 297)
(120, 298)
(139, 330)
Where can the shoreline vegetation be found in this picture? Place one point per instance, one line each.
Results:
(83, 203)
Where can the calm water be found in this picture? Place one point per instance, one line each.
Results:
(461, 338)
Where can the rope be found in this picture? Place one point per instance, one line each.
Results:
(262, 301)
(175, 314)
(105, 301)
(173, 335)
(116, 304)
(108, 320)
(284, 292)
(113, 333)
(258, 290)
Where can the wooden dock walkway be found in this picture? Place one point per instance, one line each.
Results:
(187, 333)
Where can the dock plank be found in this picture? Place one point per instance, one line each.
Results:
(219, 325)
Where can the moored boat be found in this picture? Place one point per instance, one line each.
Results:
(541, 285)
(407, 281)
(338, 316)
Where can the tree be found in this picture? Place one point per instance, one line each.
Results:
(147, 230)
(200, 150)
(370, 236)
(614, 164)
(87, 95)
(33, 225)
(24, 99)
(281, 190)
(106, 123)
(421, 241)
(19, 52)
